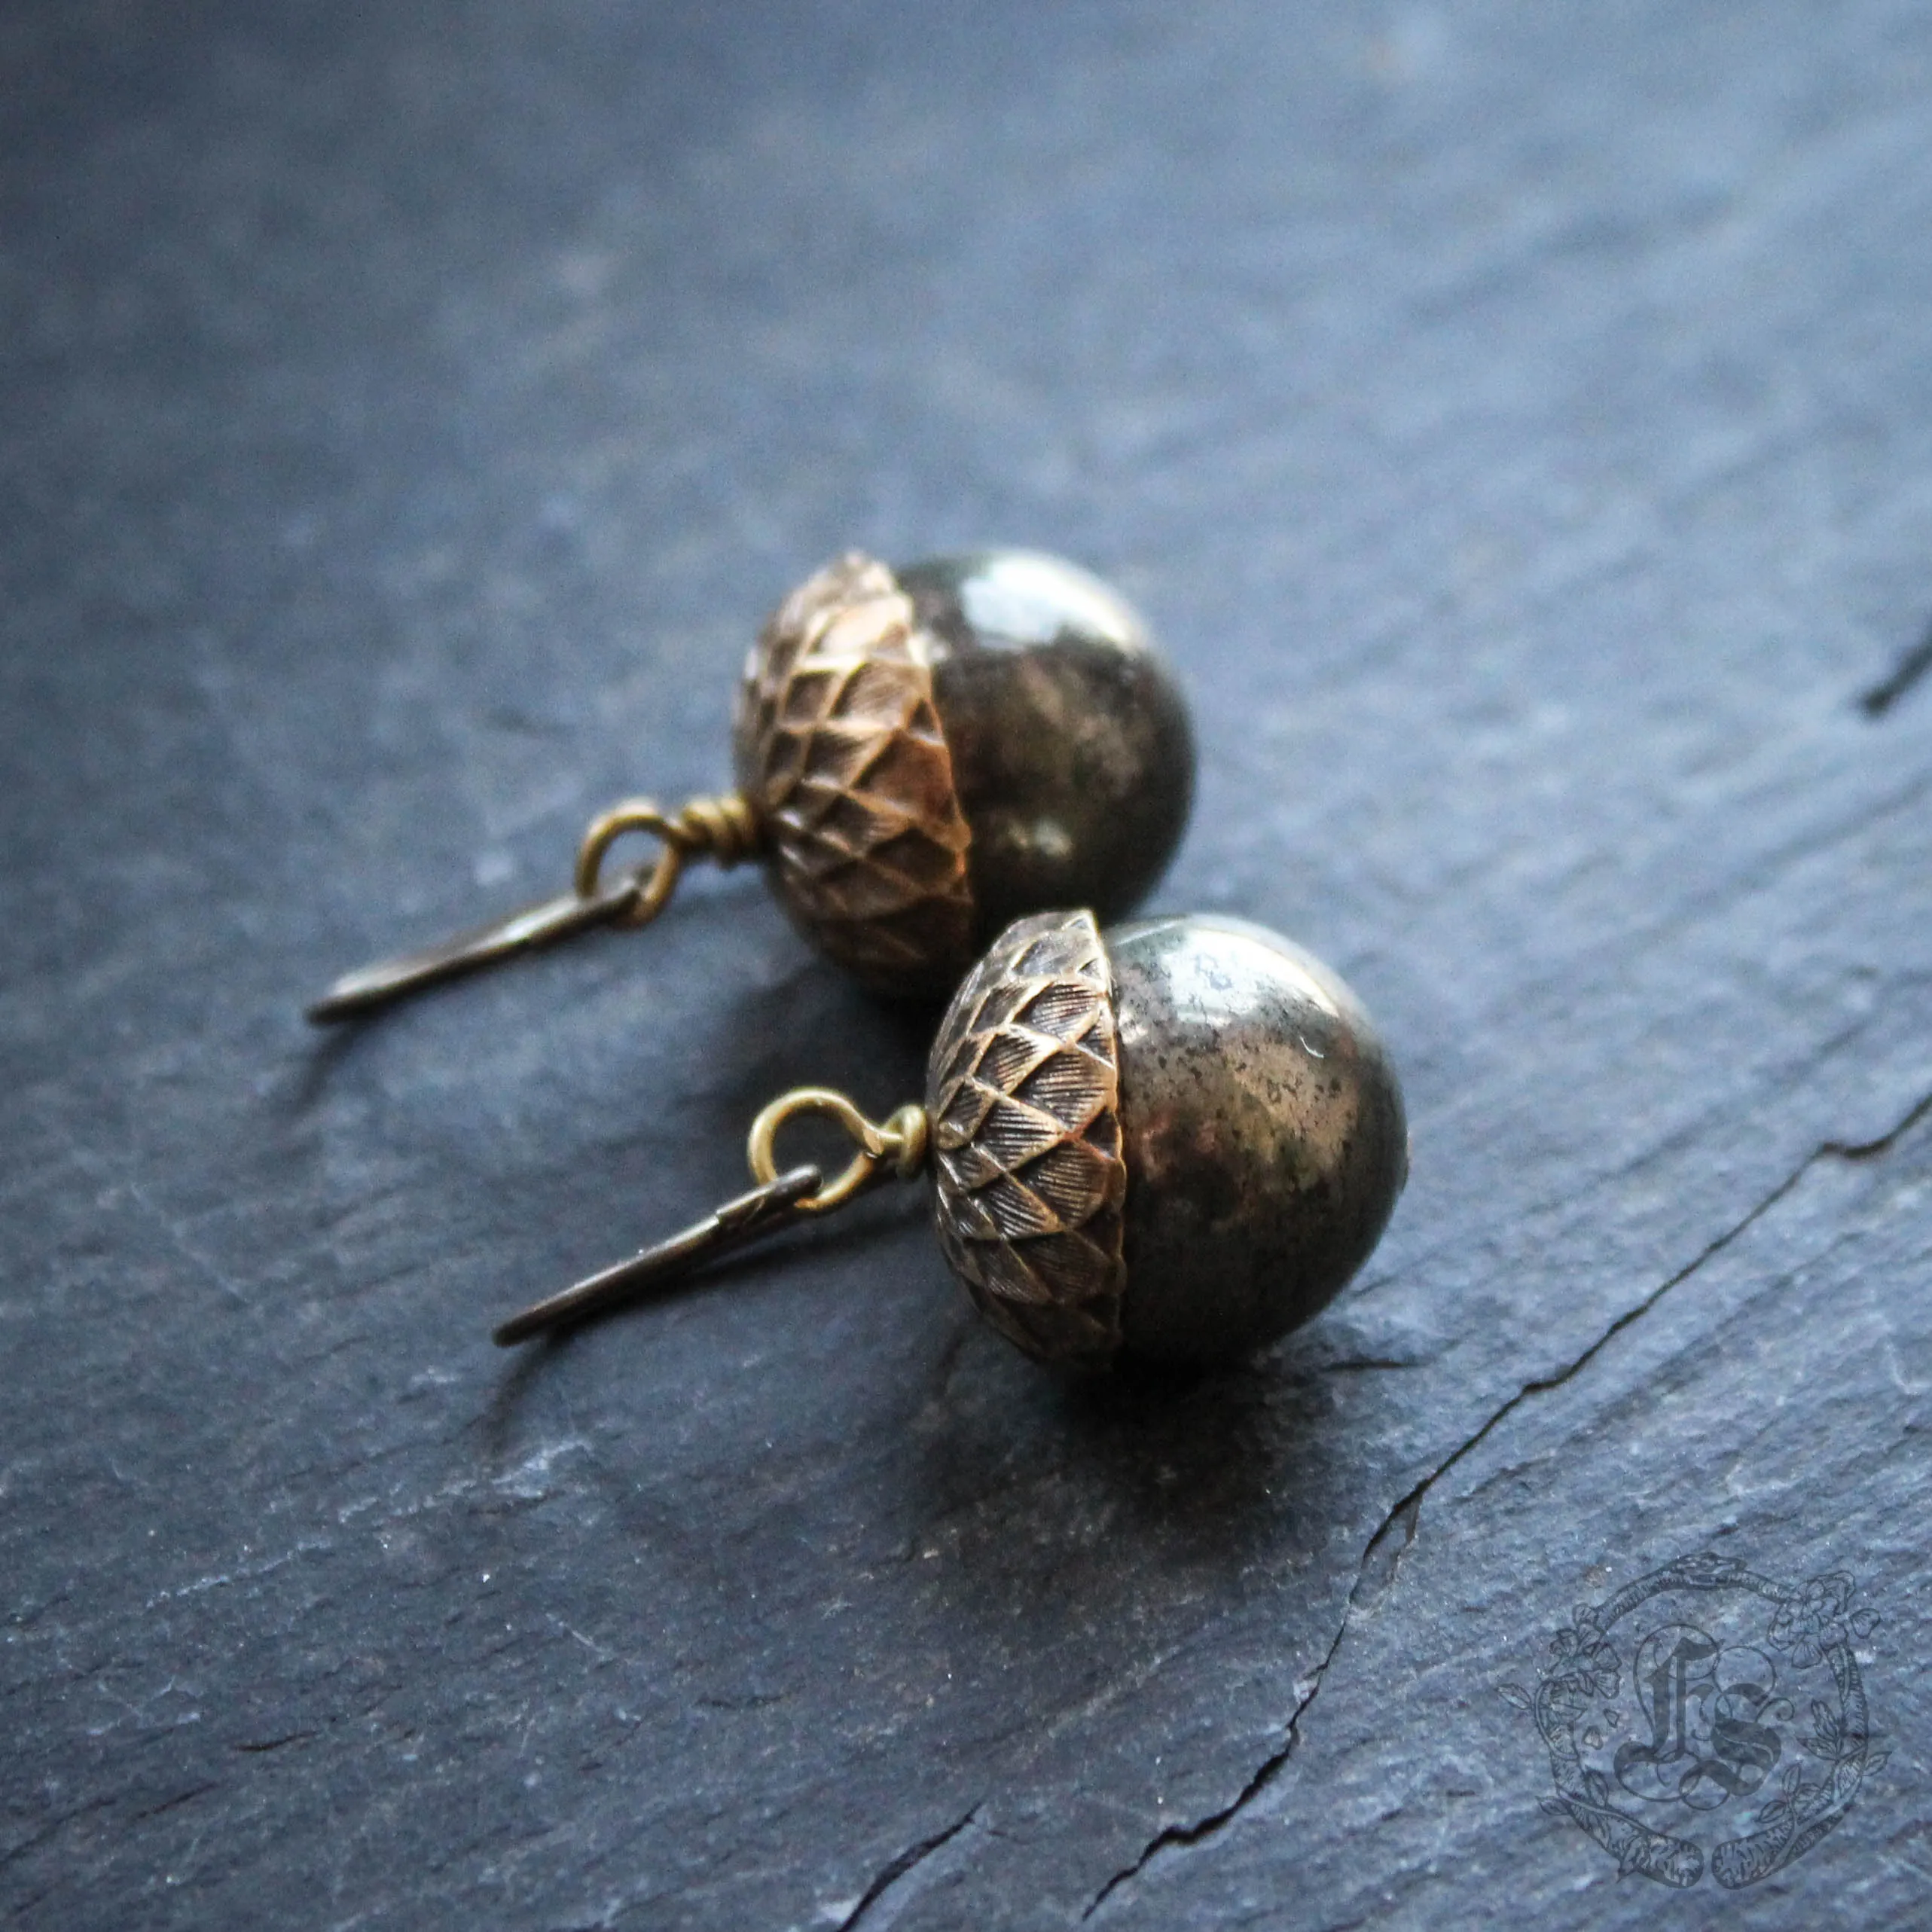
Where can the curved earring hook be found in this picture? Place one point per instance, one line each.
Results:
(894, 1148)
(723, 830)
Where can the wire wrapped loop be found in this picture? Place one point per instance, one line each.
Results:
(896, 1146)
(722, 829)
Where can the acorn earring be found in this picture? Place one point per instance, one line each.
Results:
(921, 755)
(1174, 1140)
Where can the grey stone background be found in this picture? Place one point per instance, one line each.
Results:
(1517, 421)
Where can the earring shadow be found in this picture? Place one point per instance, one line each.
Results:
(308, 1080)
(819, 1240)
(1092, 1500)
(342, 1029)
(833, 1033)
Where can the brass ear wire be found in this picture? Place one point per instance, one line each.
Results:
(724, 829)
(895, 1148)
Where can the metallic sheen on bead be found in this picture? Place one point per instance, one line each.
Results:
(1174, 1140)
(1263, 1130)
(930, 753)
(1072, 755)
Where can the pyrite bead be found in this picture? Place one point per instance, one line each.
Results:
(1072, 751)
(1174, 1141)
(929, 752)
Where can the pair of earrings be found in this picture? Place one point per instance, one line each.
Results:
(1169, 1139)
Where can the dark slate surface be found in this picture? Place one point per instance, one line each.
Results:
(1518, 422)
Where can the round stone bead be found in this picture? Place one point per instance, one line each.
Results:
(930, 752)
(1263, 1128)
(1172, 1140)
(1072, 755)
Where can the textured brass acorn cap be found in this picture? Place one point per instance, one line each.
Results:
(840, 754)
(920, 755)
(1172, 1141)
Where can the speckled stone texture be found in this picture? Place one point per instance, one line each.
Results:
(1261, 1123)
(1070, 740)
(1516, 423)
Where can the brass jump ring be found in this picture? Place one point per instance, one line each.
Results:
(901, 1142)
(653, 888)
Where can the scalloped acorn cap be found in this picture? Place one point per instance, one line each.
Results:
(1023, 1087)
(840, 754)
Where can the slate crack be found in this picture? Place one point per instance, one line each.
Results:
(1912, 666)
(1406, 1513)
(275, 1743)
(1271, 1768)
(889, 1876)
(1383, 1555)
(1352, 1365)
(757, 1701)
(170, 1804)
(35, 1840)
